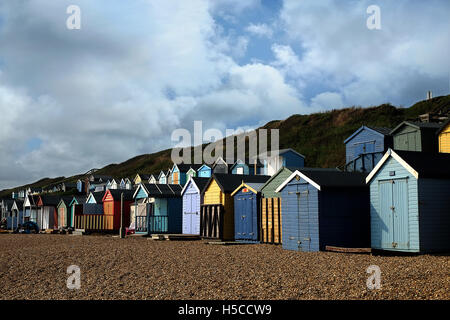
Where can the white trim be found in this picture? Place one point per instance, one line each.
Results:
(141, 185)
(217, 160)
(90, 195)
(185, 186)
(301, 175)
(402, 162)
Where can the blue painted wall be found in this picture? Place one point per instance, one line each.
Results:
(204, 172)
(291, 159)
(405, 201)
(314, 219)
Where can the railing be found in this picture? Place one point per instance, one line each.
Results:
(158, 224)
(94, 222)
(141, 224)
(364, 162)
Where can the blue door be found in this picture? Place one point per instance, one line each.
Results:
(400, 213)
(304, 218)
(394, 214)
(243, 217)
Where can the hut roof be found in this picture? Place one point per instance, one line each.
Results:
(201, 184)
(327, 178)
(419, 164)
(229, 182)
(116, 194)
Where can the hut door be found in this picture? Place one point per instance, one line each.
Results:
(400, 213)
(304, 236)
(394, 214)
(243, 217)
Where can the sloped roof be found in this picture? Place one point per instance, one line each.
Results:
(79, 199)
(127, 194)
(418, 125)
(229, 182)
(160, 190)
(98, 196)
(19, 204)
(50, 200)
(419, 164)
(379, 130)
(322, 178)
(443, 126)
(280, 152)
(66, 199)
(201, 183)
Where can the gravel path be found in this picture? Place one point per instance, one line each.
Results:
(34, 267)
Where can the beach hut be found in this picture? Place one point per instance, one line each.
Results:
(75, 209)
(444, 137)
(179, 173)
(273, 161)
(63, 211)
(271, 207)
(16, 214)
(220, 166)
(81, 186)
(416, 136)
(30, 208)
(217, 210)
(204, 171)
(5, 207)
(112, 204)
(247, 167)
(365, 147)
(322, 207)
(192, 195)
(93, 217)
(162, 178)
(47, 214)
(140, 178)
(410, 202)
(158, 209)
(247, 207)
(153, 179)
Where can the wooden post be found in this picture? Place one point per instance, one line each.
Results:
(122, 231)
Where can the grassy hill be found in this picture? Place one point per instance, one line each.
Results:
(318, 136)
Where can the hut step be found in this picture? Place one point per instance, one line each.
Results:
(348, 250)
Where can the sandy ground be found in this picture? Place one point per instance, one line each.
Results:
(35, 267)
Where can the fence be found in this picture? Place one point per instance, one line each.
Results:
(94, 222)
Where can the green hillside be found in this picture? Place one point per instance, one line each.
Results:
(318, 136)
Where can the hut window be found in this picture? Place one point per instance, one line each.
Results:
(240, 170)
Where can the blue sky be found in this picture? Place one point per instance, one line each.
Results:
(71, 100)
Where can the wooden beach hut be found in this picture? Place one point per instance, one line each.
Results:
(324, 208)
(192, 196)
(444, 137)
(271, 229)
(112, 200)
(247, 206)
(63, 209)
(365, 147)
(75, 209)
(273, 161)
(217, 210)
(410, 202)
(158, 209)
(204, 171)
(47, 214)
(416, 136)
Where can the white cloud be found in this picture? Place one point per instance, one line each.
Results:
(399, 63)
(260, 30)
(327, 101)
